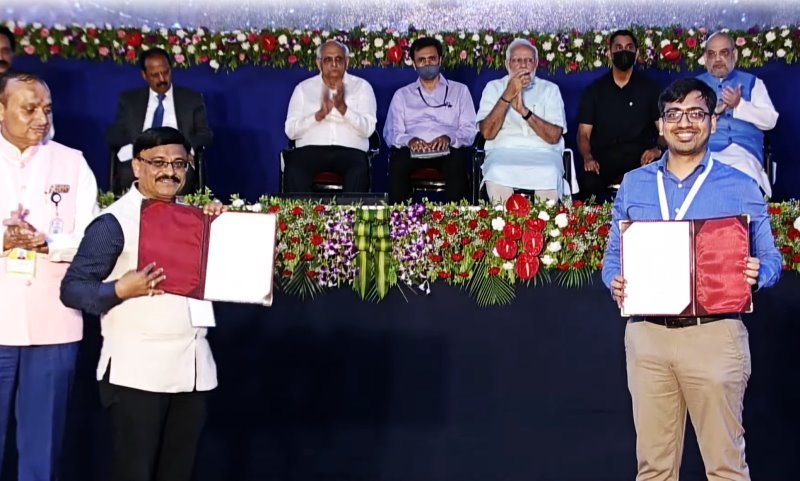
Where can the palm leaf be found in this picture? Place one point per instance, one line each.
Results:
(489, 290)
(573, 278)
(300, 285)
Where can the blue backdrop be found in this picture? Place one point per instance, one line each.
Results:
(247, 109)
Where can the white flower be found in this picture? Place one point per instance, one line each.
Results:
(494, 251)
(83, 38)
(498, 223)
(238, 203)
(439, 37)
(60, 27)
(597, 63)
(547, 46)
(191, 49)
(450, 49)
(255, 48)
(701, 60)
(691, 32)
(181, 33)
(378, 42)
(648, 42)
(65, 40)
(562, 220)
(578, 42)
(569, 55)
(365, 48)
(746, 52)
(547, 259)
(508, 265)
(797, 223)
(176, 49)
(476, 37)
(544, 215)
(200, 32)
(379, 54)
(213, 45)
(241, 37)
(390, 43)
(554, 233)
(213, 64)
(554, 246)
(788, 43)
(246, 46)
(780, 53)
(326, 33)
(784, 33)
(298, 32)
(499, 207)
(282, 40)
(550, 202)
(50, 41)
(396, 34)
(297, 47)
(579, 58)
(37, 25)
(316, 40)
(164, 32)
(114, 44)
(526, 32)
(665, 42)
(255, 207)
(408, 62)
(770, 36)
(598, 38)
(769, 54)
(145, 29)
(462, 35)
(550, 56)
(690, 54)
(488, 40)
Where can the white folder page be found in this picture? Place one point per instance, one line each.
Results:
(241, 253)
(656, 265)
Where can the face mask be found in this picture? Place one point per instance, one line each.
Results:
(428, 72)
(623, 59)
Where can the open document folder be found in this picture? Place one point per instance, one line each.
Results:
(228, 258)
(685, 268)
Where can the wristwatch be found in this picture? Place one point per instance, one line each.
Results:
(528, 115)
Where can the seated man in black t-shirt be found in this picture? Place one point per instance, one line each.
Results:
(617, 120)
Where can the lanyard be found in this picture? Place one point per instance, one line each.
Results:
(662, 194)
(444, 103)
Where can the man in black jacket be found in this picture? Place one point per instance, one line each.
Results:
(159, 104)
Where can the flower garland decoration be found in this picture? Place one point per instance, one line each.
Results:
(667, 48)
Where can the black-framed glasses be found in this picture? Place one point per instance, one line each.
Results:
(444, 103)
(177, 165)
(674, 116)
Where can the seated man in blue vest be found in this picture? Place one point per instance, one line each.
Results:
(744, 109)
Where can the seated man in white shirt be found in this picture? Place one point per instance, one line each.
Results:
(331, 117)
(744, 111)
(522, 118)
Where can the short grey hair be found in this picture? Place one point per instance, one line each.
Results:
(327, 42)
(719, 34)
(521, 42)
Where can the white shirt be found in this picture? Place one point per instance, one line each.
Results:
(349, 130)
(23, 176)
(170, 120)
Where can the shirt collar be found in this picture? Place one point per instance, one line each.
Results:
(11, 152)
(662, 162)
(167, 94)
(441, 85)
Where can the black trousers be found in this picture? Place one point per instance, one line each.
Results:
(155, 434)
(123, 178)
(453, 166)
(610, 173)
(303, 163)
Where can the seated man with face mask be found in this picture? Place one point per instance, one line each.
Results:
(431, 122)
(617, 119)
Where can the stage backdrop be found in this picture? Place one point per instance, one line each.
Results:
(247, 109)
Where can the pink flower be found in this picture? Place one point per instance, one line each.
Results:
(740, 41)
(241, 57)
(103, 51)
(44, 32)
(29, 49)
(180, 58)
(292, 59)
(463, 55)
(121, 33)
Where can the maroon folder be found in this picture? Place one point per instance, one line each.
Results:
(718, 252)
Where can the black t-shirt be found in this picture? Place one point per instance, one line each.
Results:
(622, 119)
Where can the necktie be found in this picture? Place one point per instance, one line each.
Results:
(158, 116)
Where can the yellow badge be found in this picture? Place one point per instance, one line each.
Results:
(21, 263)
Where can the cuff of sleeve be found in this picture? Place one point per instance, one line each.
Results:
(107, 296)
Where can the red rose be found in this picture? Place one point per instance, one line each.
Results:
(457, 256)
(532, 41)
(292, 59)
(130, 55)
(319, 208)
(283, 226)
(437, 215)
(786, 249)
(535, 224)
(316, 239)
(670, 53)
(572, 66)
(451, 228)
(493, 271)
(483, 213)
(568, 232)
(435, 258)
(294, 239)
(311, 274)
(289, 256)
(594, 247)
(268, 42)
(54, 49)
(572, 220)
(577, 203)
(403, 42)
(433, 232)
(450, 40)
(485, 234)
(307, 256)
(571, 246)
(252, 37)
(506, 249)
(527, 266)
(518, 205)
(395, 54)
(562, 267)
(287, 273)
(455, 213)
(91, 33)
(579, 264)
(512, 231)
(532, 242)
(445, 244)
(478, 254)
(796, 258)
(134, 39)
(18, 31)
(691, 42)
(309, 228)
(297, 210)
(172, 39)
(273, 209)
(203, 58)
(774, 209)
(793, 233)
(305, 39)
(444, 275)
(463, 275)
(582, 230)
(603, 230)
(787, 267)
(465, 241)
(472, 224)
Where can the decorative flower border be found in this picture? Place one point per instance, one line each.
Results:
(485, 249)
(667, 48)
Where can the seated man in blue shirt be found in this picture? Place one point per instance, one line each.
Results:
(434, 118)
(701, 365)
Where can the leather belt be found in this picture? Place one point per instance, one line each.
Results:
(673, 322)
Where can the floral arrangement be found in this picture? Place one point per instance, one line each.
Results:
(669, 48)
(785, 220)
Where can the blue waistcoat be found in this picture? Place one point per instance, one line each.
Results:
(731, 130)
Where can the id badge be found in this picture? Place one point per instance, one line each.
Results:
(21, 263)
(56, 226)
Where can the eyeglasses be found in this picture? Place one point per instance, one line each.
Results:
(522, 61)
(674, 116)
(177, 165)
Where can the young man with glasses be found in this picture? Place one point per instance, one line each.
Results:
(155, 367)
(744, 111)
(700, 365)
(617, 119)
(431, 123)
(522, 118)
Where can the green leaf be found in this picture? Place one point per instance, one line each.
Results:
(489, 290)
